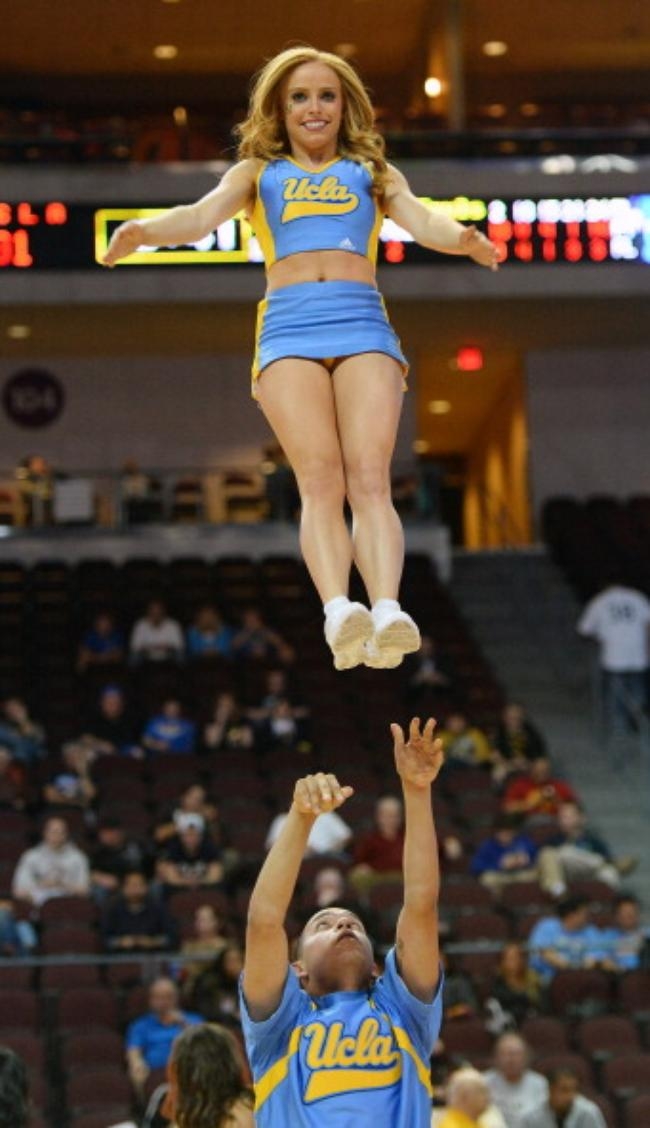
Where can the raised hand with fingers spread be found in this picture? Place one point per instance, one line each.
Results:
(332, 1027)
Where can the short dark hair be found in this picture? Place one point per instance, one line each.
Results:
(571, 905)
(562, 1071)
(14, 1098)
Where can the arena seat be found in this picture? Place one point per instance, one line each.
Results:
(97, 1089)
(606, 1036)
(547, 1063)
(627, 1075)
(575, 988)
(19, 1009)
(93, 1048)
(637, 1111)
(545, 1034)
(82, 1008)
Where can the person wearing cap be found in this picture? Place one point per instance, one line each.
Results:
(190, 857)
(136, 921)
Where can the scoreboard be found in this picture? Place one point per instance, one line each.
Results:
(64, 235)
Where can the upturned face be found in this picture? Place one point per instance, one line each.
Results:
(335, 953)
(312, 101)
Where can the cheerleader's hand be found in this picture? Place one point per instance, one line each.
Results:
(477, 245)
(124, 241)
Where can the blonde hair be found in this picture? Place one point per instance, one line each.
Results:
(263, 135)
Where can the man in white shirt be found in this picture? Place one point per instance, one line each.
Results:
(515, 1089)
(619, 619)
(329, 834)
(564, 1106)
(54, 868)
(156, 637)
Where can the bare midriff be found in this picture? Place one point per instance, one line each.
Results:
(320, 266)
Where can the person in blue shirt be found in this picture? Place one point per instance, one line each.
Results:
(102, 644)
(329, 1040)
(625, 942)
(169, 731)
(209, 635)
(566, 940)
(149, 1038)
(507, 856)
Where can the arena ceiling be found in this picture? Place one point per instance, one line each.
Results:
(98, 49)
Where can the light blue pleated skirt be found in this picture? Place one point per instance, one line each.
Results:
(323, 321)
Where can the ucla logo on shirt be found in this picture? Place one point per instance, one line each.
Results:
(303, 198)
(342, 1063)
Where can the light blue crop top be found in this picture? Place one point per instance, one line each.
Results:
(298, 209)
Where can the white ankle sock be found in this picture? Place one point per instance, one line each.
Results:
(335, 604)
(384, 605)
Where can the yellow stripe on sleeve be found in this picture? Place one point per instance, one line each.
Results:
(277, 1073)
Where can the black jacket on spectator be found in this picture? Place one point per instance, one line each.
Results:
(152, 919)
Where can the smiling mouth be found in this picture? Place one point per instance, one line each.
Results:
(313, 126)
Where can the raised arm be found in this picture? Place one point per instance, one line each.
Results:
(418, 762)
(267, 947)
(187, 223)
(434, 229)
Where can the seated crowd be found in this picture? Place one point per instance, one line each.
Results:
(158, 817)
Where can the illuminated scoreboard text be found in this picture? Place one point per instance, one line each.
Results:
(58, 235)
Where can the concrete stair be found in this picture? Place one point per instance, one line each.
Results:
(523, 615)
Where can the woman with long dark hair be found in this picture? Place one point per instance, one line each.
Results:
(206, 1084)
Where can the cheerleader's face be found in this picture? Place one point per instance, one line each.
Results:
(313, 108)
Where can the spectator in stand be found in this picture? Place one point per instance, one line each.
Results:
(429, 674)
(102, 645)
(216, 989)
(14, 1090)
(256, 640)
(17, 937)
(459, 999)
(115, 855)
(228, 728)
(468, 1097)
(283, 729)
(208, 940)
(514, 1088)
(276, 690)
(465, 745)
(619, 620)
(626, 942)
(209, 635)
(21, 735)
(564, 1105)
(538, 793)
(566, 940)
(508, 855)
(576, 853)
(54, 868)
(169, 732)
(329, 834)
(190, 859)
(378, 854)
(516, 987)
(13, 782)
(193, 801)
(135, 921)
(156, 636)
(206, 1082)
(111, 729)
(517, 741)
(71, 786)
(331, 888)
(149, 1039)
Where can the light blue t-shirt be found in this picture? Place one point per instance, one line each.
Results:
(574, 946)
(354, 1059)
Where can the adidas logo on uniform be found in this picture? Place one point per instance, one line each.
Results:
(347, 245)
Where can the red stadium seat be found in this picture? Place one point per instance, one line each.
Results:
(25, 1043)
(98, 1089)
(545, 1035)
(85, 1007)
(95, 1048)
(19, 1009)
(627, 1075)
(607, 1036)
(481, 926)
(60, 977)
(637, 1111)
(575, 988)
(467, 1040)
(69, 910)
